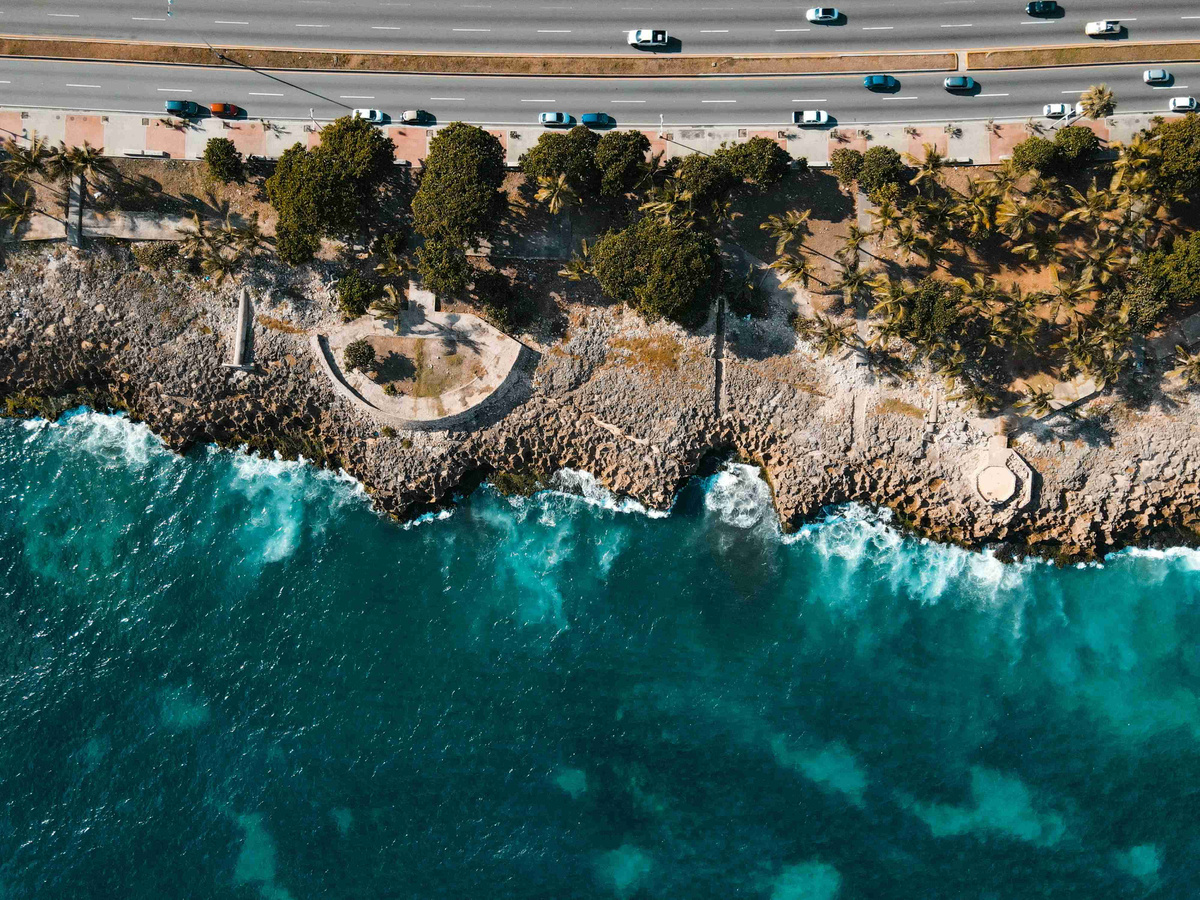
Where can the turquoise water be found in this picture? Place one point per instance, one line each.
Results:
(226, 677)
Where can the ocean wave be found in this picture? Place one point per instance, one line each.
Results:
(110, 438)
(740, 497)
(580, 485)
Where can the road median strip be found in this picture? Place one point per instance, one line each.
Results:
(662, 65)
(1086, 55)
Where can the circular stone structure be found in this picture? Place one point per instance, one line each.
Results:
(996, 484)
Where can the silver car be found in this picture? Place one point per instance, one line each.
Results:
(823, 15)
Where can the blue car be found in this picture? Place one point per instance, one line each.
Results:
(185, 108)
(597, 120)
(880, 83)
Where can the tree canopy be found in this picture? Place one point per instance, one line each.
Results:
(759, 160)
(571, 153)
(881, 166)
(459, 198)
(619, 158)
(1179, 153)
(662, 270)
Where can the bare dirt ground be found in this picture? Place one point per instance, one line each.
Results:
(423, 367)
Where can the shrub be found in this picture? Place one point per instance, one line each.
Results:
(442, 264)
(759, 160)
(706, 177)
(223, 159)
(933, 307)
(155, 254)
(390, 244)
(1179, 270)
(503, 306)
(889, 193)
(356, 293)
(1179, 149)
(571, 153)
(619, 158)
(1035, 153)
(387, 430)
(1075, 145)
(881, 166)
(359, 355)
(659, 269)
(846, 164)
(459, 198)
(1144, 294)
(295, 247)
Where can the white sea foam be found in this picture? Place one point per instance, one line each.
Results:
(581, 485)
(437, 516)
(112, 439)
(739, 496)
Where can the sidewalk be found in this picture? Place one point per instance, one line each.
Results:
(121, 134)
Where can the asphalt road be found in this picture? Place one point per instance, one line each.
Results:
(598, 26)
(115, 87)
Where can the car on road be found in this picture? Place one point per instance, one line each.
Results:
(183, 108)
(1103, 28)
(597, 120)
(880, 83)
(225, 110)
(415, 117)
(1156, 76)
(554, 119)
(374, 116)
(648, 37)
(959, 83)
(810, 117)
(1182, 104)
(1056, 110)
(823, 15)
(1042, 8)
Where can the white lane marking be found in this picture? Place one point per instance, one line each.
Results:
(84, 85)
(626, 101)
(990, 95)
(1039, 22)
(448, 98)
(174, 90)
(63, 15)
(967, 25)
(470, 29)
(554, 31)
(718, 101)
(537, 101)
(355, 97)
(387, 27)
(146, 19)
(777, 30)
(1074, 92)
(899, 98)
(224, 22)
(715, 31)
(810, 100)
(878, 27)
(1171, 87)
(558, 7)
(261, 94)
(5, 82)
(304, 25)
(1189, 17)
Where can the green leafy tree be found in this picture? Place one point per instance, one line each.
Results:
(881, 166)
(660, 269)
(1075, 146)
(459, 199)
(442, 264)
(620, 157)
(846, 164)
(359, 355)
(570, 153)
(705, 178)
(356, 149)
(1178, 153)
(356, 293)
(1144, 294)
(1035, 153)
(223, 159)
(759, 160)
(295, 246)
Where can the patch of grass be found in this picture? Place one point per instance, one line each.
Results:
(522, 483)
(279, 325)
(659, 353)
(899, 408)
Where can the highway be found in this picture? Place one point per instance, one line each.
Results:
(122, 87)
(599, 26)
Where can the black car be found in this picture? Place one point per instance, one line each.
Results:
(1042, 8)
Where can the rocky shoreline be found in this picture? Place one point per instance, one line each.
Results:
(641, 407)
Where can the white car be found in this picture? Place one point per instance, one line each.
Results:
(374, 116)
(1156, 76)
(554, 119)
(823, 15)
(648, 37)
(810, 117)
(1056, 110)
(415, 117)
(1103, 28)
(1183, 104)
(1079, 109)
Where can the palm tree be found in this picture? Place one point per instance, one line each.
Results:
(885, 215)
(391, 304)
(648, 173)
(720, 211)
(249, 238)
(1098, 101)
(1040, 247)
(557, 193)
(25, 162)
(1036, 402)
(791, 226)
(1004, 179)
(908, 239)
(1066, 292)
(1105, 261)
(1187, 367)
(670, 202)
(1044, 189)
(580, 264)
(1091, 208)
(196, 241)
(848, 252)
(832, 337)
(1016, 218)
(929, 169)
(395, 267)
(793, 267)
(15, 211)
(851, 281)
(218, 264)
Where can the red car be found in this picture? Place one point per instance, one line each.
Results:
(225, 110)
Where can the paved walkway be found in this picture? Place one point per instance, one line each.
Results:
(120, 134)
